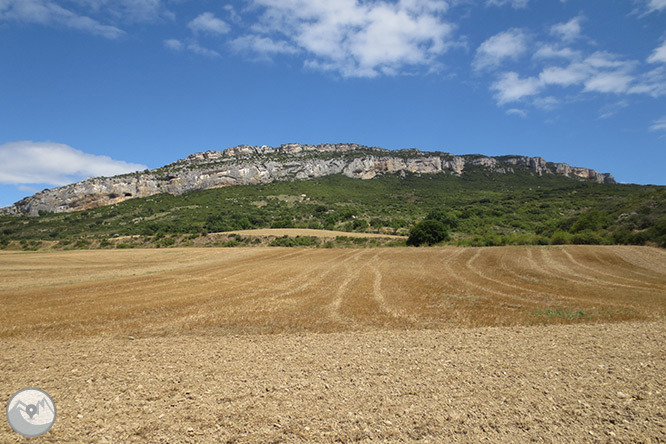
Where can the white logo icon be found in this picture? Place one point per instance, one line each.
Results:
(31, 412)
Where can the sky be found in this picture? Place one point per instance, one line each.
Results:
(103, 87)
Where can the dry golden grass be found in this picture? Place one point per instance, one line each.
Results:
(143, 293)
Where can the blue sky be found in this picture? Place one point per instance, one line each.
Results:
(101, 87)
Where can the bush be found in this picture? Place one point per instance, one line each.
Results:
(428, 232)
(560, 238)
(448, 220)
(587, 238)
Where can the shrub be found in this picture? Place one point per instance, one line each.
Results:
(428, 232)
(560, 238)
(448, 220)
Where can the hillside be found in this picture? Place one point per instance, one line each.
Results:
(486, 201)
(248, 165)
(487, 209)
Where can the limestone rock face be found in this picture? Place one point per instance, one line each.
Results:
(245, 165)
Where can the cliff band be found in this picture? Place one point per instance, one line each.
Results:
(245, 165)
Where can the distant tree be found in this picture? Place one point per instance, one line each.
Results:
(427, 232)
(447, 219)
(592, 220)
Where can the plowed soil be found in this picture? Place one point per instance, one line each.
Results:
(371, 345)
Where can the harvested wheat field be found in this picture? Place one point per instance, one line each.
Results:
(511, 344)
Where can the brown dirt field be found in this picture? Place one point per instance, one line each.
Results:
(144, 293)
(326, 234)
(560, 383)
(162, 345)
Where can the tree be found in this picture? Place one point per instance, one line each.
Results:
(428, 232)
(448, 220)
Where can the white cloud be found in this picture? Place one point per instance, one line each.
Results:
(568, 31)
(652, 83)
(553, 52)
(46, 12)
(659, 124)
(511, 88)
(194, 47)
(174, 44)
(609, 82)
(263, 46)
(50, 163)
(514, 3)
(546, 103)
(658, 55)
(128, 10)
(509, 44)
(516, 112)
(198, 49)
(612, 109)
(654, 5)
(574, 74)
(354, 38)
(207, 22)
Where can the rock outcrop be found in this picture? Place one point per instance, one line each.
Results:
(245, 165)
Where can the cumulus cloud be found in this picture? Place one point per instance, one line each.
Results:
(511, 88)
(207, 22)
(658, 55)
(57, 164)
(568, 31)
(353, 38)
(509, 44)
(46, 12)
(573, 74)
(600, 72)
(609, 82)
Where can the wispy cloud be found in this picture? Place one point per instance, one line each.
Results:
(26, 162)
(658, 55)
(550, 51)
(509, 44)
(659, 124)
(263, 47)
(612, 109)
(516, 112)
(193, 47)
(49, 13)
(129, 10)
(651, 6)
(352, 38)
(518, 4)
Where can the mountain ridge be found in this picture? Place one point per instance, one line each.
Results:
(247, 165)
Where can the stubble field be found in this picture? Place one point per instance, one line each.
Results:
(340, 345)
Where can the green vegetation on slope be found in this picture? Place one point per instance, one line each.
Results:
(478, 208)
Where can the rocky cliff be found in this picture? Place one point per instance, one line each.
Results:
(244, 165)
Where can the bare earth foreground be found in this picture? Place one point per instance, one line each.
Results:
(515, 344)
